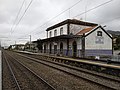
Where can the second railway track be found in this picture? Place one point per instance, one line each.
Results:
(9, 81)
(25, 79)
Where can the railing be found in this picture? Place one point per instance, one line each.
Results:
(115, 58)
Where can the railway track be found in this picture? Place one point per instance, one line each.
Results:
(110, 77)
(9, 80)
(104, 81)
(93, 65)
(24, 77)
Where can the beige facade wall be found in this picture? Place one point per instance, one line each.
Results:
(92, 41)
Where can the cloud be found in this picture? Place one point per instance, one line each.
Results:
(43, 12)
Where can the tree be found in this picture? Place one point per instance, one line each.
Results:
(10, 47)
(39, 44)
(118, 42)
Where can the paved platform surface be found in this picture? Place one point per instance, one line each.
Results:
(104, 64)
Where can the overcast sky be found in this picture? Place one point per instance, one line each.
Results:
(41, 14)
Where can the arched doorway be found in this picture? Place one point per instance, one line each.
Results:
(50, 48)
(44, 48)
(61, 48)
(55, 49)
(74, 45)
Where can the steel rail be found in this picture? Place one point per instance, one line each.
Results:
(37, 60)
(44, 81)
(81, 70)
(78, 69)
(14, 77)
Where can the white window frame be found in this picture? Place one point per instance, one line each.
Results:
(61, 31)
(50, 33)
(55, 32)
(99, 33)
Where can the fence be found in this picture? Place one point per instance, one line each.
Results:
(115, 58)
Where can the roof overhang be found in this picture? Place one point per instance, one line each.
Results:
(61, 37)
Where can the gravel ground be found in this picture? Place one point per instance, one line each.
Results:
(99, 73)
(26, 79)
(60, 80)
(102, 74)
(108, 82)
(7, 82)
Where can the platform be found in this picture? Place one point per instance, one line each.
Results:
(96, 63)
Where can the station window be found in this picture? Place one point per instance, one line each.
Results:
(99, 33)
(50, 33)
(55, 32)
(61, 31)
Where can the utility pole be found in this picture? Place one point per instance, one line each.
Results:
(30, 42)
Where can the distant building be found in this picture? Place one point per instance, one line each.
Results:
(31, 46)
(17, 47)
(78, 39)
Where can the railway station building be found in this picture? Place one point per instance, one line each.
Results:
(77, 39)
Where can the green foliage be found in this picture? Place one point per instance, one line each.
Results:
(39, 44)
(117, 45)
(10, 47)
(118, 41)
(116, 48)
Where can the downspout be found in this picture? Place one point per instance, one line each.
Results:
(112, 46)
(83, 46)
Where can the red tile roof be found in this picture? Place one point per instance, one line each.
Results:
(85, 31)
(72, 21)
